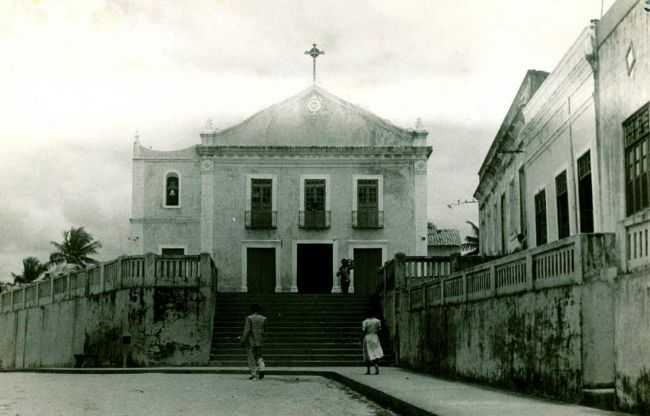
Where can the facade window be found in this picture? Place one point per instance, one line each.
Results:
(503, 232)
(585, 197)
(512, 194)
(636, 133)
(540, 218)
(172, 251)
(261, 214)
(315, 214)
(522, 202)
(172, 190)
(367, 211)
(562, 204)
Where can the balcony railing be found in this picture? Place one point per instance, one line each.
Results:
(314, 220)
(124, 272)
(635, 251)
(368, 219)
(262, 219)
(566, 262)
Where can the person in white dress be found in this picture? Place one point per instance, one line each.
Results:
(372, 350)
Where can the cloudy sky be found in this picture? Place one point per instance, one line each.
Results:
(78, 78)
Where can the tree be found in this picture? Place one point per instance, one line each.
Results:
(471, 243)
(32, 268)
(77, 247)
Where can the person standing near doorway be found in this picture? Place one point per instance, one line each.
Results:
(344, 275)
(372, 350)
(252, 339)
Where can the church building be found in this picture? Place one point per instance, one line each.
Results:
(281, 198)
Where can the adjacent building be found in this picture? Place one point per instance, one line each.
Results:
(572, 157)
(281, 198)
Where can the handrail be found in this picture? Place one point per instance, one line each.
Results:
(124, 272)
(561, 263)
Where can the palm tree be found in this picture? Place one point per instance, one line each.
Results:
(77, 246)
(32, 268)
(471, 243)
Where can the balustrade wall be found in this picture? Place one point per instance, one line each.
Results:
(124, 272)
(549, 301)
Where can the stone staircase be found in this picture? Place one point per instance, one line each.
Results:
(301, 329)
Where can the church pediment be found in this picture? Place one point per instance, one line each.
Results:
(314, 117)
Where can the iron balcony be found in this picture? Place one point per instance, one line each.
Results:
(314, 220)
(368, 219)
(261, 219)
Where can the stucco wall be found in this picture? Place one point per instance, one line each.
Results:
(621, 94)
(529, 342)
(168, 326)
(633, 342)
(398, 233)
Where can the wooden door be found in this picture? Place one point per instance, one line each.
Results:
(367, 262)
(260, 270)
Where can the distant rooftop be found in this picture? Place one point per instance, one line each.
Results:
(443, 237)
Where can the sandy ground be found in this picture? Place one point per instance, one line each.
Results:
(177, 394)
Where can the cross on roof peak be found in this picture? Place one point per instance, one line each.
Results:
(314, 52)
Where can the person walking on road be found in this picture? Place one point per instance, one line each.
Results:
(372, 350)
(252, 339)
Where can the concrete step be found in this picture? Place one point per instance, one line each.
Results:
(302, 330)
(285, 323)
(288, 363)
(601, 398)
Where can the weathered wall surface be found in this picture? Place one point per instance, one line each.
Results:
(528, 342)
(168, 326)
(633, 342)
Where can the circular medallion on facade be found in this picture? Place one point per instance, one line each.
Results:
(314, 104)
(420, 166)
(206, 165)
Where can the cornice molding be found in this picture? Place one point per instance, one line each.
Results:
(165, 220)
(386, 152)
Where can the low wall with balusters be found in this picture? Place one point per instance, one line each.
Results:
(151, 310)
(534, 320)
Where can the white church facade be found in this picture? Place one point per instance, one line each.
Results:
(281, 198)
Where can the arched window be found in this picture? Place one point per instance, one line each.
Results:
(172, 190)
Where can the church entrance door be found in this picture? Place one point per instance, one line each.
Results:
(314, 268)
(366, 263)
(260, 270)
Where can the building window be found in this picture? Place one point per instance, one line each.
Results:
(315, 214)
(540, 218)
(172, 190)
(562, 203)
(261, 213)
(512, 194)
(522, 202)
(585, 197)
(172, 251)
(502, 222)
(636, 133)
(367, 211)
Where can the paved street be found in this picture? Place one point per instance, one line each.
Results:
(176, 394)
(281, 393)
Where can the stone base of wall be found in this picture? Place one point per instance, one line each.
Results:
(166, 325)
(529, 342)
(633, 342)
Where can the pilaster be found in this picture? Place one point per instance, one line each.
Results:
(420, 195)
(207, 205)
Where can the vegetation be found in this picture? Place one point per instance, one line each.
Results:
(77, 247)
(471, 244)
(32, 268)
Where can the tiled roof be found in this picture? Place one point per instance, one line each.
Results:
(441, 237)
